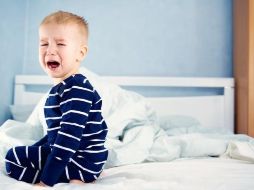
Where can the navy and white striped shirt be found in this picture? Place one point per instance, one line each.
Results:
(76, 129)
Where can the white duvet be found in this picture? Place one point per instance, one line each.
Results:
(135, 136)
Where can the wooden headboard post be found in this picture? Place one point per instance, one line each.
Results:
(229, 92)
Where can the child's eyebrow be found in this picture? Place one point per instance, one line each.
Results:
(57, 39)
(60, 39)
(43, 40)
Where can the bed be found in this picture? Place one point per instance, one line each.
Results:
(155, 142)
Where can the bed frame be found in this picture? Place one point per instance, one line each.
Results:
(211, 111)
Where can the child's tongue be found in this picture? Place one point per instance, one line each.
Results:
(53, 64)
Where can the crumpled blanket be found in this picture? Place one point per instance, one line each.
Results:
(193, 145)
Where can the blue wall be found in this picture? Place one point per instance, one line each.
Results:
(128, 37)
(12, 14)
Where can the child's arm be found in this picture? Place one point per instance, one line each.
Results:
(74, 118)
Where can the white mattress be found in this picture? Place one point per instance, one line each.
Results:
(202, 173)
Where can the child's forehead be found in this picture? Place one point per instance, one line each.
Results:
(57, 26)
(62, 31)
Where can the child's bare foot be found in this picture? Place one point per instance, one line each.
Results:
(76, 181)
(40, 184)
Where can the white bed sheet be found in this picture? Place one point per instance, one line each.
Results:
(182, 174)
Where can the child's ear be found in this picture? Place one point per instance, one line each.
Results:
(83, 52)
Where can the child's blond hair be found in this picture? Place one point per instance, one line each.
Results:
(62, 17)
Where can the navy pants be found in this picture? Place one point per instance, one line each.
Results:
(25, 163)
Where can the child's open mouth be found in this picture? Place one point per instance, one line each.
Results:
(53, 64)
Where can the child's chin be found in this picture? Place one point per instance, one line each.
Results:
(54, 74)
(52, 71)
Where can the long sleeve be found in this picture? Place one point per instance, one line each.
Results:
(75, 103)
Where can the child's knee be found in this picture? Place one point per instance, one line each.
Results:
(9, 156)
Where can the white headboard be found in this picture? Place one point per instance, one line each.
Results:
(211, 111)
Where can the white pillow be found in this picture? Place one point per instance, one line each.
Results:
(21, 112)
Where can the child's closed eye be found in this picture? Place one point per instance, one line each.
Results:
(61, 44)
(44, 44)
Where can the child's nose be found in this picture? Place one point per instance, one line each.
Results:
(51, 50)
